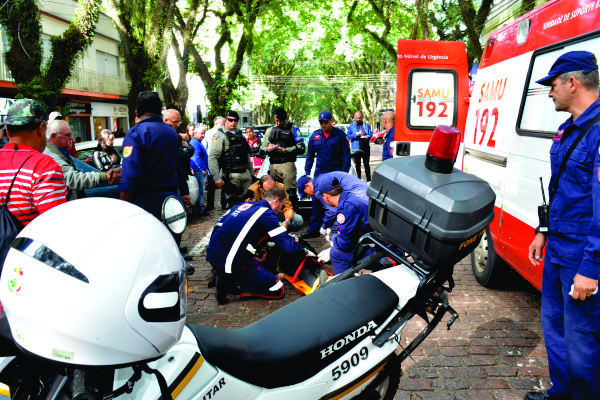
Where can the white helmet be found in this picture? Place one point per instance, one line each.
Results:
(95, 282)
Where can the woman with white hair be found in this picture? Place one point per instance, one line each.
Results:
(105, 156)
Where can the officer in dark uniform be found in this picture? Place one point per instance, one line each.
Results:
(229, 159)
(237, 235)
(282, 144)
(150, 169)
(570, 298)
(331, 149)
(352, 216)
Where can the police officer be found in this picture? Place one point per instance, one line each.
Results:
(282, 144)
(570, 302)
(348, 182)
(352, 218)
(331, 149)
(232, 247)
(150, 169)
(229, 158)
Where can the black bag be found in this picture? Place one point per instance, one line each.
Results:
(10, 226)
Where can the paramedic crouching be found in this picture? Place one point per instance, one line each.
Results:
(570, 302)
(352, 219)
(234, 241)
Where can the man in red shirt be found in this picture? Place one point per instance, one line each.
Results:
(39, 184)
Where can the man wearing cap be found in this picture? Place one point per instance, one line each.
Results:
(331, 149)
(352, 217)
(60, 140)
(570, 302)
(39, 183)
(388, 120)
(229, 159)
(150, 166)
(282, 145)
(348, 182)
(359, 134)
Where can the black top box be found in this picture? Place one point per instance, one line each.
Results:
(435, 217)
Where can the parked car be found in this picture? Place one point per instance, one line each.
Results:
(378, 137)
(343, 127)
(83, 163)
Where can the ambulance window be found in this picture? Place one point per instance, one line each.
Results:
(431, 98)
(538, 115)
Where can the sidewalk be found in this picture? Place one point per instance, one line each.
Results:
(494, 351)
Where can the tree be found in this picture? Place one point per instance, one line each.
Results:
(144, 30)
(223, 82)
(24, 59)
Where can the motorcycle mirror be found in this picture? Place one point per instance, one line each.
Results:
(174, 215)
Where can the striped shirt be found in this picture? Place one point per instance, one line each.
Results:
(39, 186)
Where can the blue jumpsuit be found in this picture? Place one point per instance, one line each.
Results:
(387, 145)
(348, 182)
(235, 239)
(572, 327)
(353, 222)
(332, 154)
(150, 167)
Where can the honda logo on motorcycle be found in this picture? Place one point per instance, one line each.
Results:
(348, 339)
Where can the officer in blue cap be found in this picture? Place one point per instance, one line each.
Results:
(331, 149)
(570, 302)
(352, 216)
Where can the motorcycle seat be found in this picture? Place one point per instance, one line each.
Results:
(299, 340)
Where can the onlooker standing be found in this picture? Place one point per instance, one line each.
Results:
(570, 302)
(60, 141)
(229, 159)
(172, 117)
(330, 147)
(199, 164)
(254, 143)
(55, 115)
(39, 184)
(359, 133)
(211, 188)
(282, 144)
(388, 119)
(150, 165)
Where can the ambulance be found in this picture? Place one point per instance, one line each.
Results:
(510, 122)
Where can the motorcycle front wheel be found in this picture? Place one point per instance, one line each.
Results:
(386, 390)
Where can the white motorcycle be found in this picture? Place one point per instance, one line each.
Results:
(106, 320)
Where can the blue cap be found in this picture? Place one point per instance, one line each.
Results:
(328, 185)
(302, 181)
(569, 62)
(325, 116)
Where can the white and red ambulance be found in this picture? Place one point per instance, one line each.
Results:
(510, 123)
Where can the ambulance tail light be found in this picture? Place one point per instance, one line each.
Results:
(443, 149)
(490, 46)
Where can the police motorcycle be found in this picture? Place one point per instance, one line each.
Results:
(107, 320)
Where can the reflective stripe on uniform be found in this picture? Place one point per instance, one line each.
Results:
(277, 231)
(275, 287)
(238, 241)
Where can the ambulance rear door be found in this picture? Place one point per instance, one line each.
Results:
(432, 89)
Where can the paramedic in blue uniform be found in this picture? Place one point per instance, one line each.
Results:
(330, 147)
(348, 182)
(150, 170)
(352, 216)
(388, 119)
(238, 234)
(570, 303)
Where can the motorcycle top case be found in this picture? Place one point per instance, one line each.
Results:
(437, 218)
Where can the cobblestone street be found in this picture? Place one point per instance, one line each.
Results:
(495, 350)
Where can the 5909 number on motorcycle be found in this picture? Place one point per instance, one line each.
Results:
(346, 365)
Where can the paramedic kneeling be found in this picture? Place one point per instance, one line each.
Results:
(570, 302)
(234, 241)
(353, 222)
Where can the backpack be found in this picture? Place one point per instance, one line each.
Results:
(10, 226)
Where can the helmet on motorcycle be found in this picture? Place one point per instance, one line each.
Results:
(95, 282)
